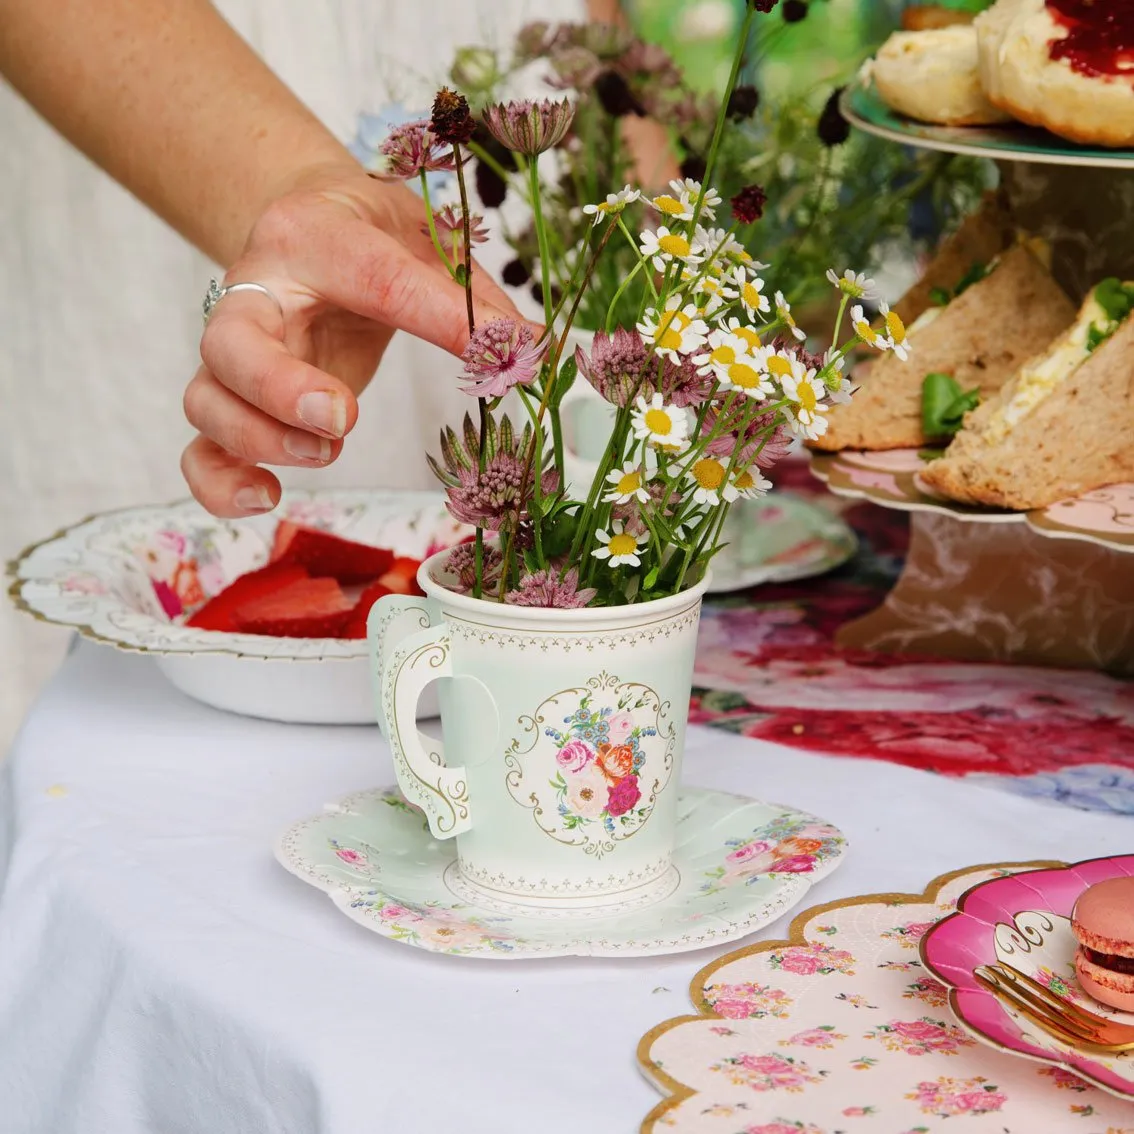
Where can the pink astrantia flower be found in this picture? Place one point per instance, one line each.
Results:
(547, 589)
(413, 149)
(450, 226)
(461, 563)
(624, 796)
(574, 756)
(621, 367)
(529, 127)
(500, 355)
(761, 441)
(492, 499)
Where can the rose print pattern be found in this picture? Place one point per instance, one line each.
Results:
(746, 1001)
(782, 1127)
(437, 928)
(184, 568)
(823, 1038)
(813, 959)
(908, 936)
(607, 750)
(773, 1072)
(921, 1037)
(1064, 1079)
(948, 1098)
(782, 847)
(929, 990)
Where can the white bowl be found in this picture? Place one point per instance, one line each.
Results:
(120, 578)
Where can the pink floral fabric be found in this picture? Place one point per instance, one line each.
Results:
(768, 668)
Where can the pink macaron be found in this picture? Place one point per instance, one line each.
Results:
(1103, 922)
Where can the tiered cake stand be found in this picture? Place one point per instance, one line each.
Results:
(1049, 587)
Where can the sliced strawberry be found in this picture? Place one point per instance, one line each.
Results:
(219, 613)
(401, 578)
(325, 554)
(285, 533)
(356, 623)
(306, 608)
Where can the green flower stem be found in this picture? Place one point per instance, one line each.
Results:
(722, 113)
(433, 227)
(610, 311)
(637, 252)
(541, 237)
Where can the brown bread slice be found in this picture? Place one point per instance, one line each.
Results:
(982, 338)
(1080, 437)
(981, 237)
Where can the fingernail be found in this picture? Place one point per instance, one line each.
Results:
(323, 411)
(253, 498)
(306, 446)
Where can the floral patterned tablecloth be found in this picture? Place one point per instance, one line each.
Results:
(768, 667)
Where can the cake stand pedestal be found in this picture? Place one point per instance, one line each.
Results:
(1049, 588)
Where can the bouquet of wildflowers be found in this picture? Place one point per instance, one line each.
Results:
(708, 383)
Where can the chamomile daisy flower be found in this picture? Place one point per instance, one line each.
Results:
(663, 247)
(618, 547)
(710, 482)
(692, 189)
(784, 315)
(744, 331)
(897, 332)
(676, 330)
(735, 368)
(866, 332)
(614, 203)
(626, 485)
(722, 245)
(855, 284)
(712, 293)
(750, 291)
(806, 411)
(751, 483)
(659, 424)
(783, 366)
(677, 205)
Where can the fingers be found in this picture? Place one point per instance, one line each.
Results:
(366, 271)
(226, 485)
(248, 433)
(242, 353)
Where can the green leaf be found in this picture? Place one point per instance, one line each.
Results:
(559, 533)
(944, 405)
(1115, 298)
(650, 581)
(567, 374)
(461, 275)
(531, 561)
(940, 297)
(974, 275)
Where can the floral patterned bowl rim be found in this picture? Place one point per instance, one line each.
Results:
(960, 943)
(87, 576)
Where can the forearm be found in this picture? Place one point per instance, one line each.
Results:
(170, 101)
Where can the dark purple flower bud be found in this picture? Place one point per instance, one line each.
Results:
(762, 5)
(793, 11)
(616, 97)
(516, 273)
(742, 103)
(491, 188)
(748, 204)
(693, 166)
(833, 128)
(452, 121)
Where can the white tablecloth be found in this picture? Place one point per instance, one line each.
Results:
(161, 974)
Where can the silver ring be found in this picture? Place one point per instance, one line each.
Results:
(216, 293)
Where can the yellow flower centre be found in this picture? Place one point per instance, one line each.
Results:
(667, 338)
(807, 399)
(896, 327)
(751, 295)
(779, 367)
(622, 545)
(742, 375)
(748, 335)
(674, 245)
(631, 482)
(865, 331)
(659, 422)
(744, 482)
(709, 473)
(670, 205)
(712, 286)
(724, 355)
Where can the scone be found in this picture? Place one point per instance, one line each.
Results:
(933, 76)
(1063, 65)
(981, 339)
(1062, 426)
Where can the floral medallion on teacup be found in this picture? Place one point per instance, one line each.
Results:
(737, 865)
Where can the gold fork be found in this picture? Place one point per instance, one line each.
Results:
(1063, 1021)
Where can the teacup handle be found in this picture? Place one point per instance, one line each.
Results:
(391, 620)
(419, 761)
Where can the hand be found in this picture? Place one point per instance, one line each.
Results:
(345, 255)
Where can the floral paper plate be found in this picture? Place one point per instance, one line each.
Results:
(864, 108)
(1025, 921)
(126, 579)
(740, 864)
(840, 1029)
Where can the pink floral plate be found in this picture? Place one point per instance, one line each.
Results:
(1025, 921)
(839, 1029)
(740, 864)
(130, 578)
